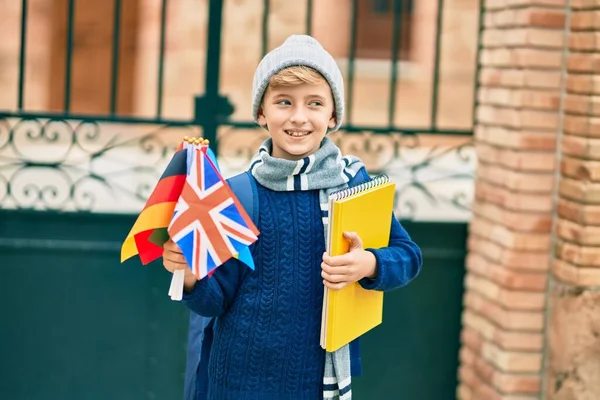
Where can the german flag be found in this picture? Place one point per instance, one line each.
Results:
(149, 232)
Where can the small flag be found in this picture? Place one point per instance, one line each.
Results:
(209, 224)
(149, 232)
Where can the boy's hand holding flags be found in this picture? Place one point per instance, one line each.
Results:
(192, 204)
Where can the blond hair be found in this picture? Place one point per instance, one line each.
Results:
(296, 75)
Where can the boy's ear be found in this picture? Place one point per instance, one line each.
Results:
(332, 121)
(262, 121)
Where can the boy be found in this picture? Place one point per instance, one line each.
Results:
(265, 339)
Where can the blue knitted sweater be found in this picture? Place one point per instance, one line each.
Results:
(266, 339)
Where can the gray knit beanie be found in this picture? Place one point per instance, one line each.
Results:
(299, 50)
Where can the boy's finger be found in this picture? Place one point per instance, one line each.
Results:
(335, 286)
(337, 260)
(333, 278)
(170, 245)
(174, 257)
(173, 266)
(355, 240)
(335, 269)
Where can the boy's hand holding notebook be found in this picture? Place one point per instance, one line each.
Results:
(367, 210)
(339, 271)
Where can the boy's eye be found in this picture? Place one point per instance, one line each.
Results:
(316, 103)
(283, 102)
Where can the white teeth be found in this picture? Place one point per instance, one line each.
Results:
(296, 134)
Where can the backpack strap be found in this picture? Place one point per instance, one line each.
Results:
(360, 177)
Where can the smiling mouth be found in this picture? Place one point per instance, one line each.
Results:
(297, 133)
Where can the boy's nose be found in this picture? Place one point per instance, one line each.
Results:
(298, 118)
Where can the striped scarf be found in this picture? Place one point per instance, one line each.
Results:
(327, 171)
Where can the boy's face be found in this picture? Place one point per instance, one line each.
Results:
(297, 118)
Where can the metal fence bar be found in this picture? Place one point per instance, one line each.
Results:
(211, 124)
(436, 65)
(309, 10)
(115, 57)
(265, 27)
(351, 57)
(20, 95)
(397, 32)
(161, 59)
(69, 55)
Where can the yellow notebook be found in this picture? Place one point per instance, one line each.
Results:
(366, 209)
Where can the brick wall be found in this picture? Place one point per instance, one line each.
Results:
(518, 123)
(531, 325)
(573, 331)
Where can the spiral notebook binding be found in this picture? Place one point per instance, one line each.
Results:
(376, 181)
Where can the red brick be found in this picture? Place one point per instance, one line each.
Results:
(503, 18)
(506, 319)
(536, 58)
(583, 83)
(495, 96)
(534, 161)
(581, 125)
(583, 62)
(505, 237)
(483, 328)
(499, 57)
(584, 41)
(581, 147)
(541, 17)
(522, 300)
(585, 20)
(577, 276)
(484, 370)
(542, 79)
(519, 78)
(519, 221)
(472, 340)
(515, 180)
(582, 105)
(540, 100)
(509, 258)
(513, 201)
(492, 38)
(581, 256)
(519, 341)
(584, 4)
(522, 384)
(516, 139)
(511, 279)
(573, 232)
(581, 191)
(523, 37)
(580, 169)
(510, 361)
(579, 213)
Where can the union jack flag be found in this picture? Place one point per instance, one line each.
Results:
(209, 225)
